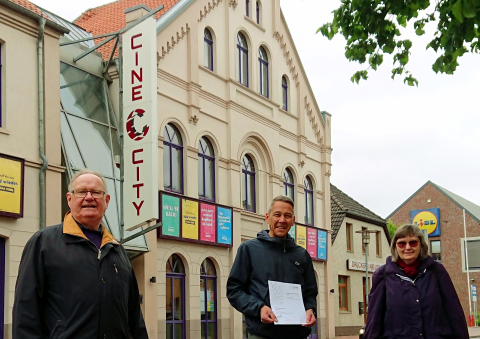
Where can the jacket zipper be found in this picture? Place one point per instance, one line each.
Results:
(99, 254)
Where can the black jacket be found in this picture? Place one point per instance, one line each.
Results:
(68, 289)
(260, 260)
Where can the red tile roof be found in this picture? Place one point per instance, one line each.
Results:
(28, 5)
(111, 18)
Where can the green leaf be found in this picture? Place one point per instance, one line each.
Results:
(457, 10)
(411, 81)
(419, 31)
(407, 44)
(468, 9)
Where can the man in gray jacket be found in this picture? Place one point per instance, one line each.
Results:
(274, 256)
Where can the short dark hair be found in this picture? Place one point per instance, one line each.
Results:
(405, 231)
(283, 198)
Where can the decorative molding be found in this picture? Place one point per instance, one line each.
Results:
(301, 163)
(193, 120)
(173, 41)
(233, 4)
(286, 54)
(207, 9)
(328, 173)
(313, 120)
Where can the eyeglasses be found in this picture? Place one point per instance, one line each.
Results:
(412, 243)
(83, 193)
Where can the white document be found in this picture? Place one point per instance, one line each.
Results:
(287, 303)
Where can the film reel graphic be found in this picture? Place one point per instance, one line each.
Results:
(131, 130)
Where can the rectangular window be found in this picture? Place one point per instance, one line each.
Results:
(343, 293)
(378, 243)
(473, 253)
(349, 237)
(436, 250)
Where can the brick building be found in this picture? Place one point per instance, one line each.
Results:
(446, 235)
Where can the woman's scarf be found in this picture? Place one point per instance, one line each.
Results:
(410, 269)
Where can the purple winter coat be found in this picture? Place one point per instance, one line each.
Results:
(423, 308)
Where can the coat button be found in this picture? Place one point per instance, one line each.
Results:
(104, 281)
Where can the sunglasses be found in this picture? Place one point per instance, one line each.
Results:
(412, 243)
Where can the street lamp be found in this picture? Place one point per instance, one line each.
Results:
(366, 240)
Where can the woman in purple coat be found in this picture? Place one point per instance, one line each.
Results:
(412, 295)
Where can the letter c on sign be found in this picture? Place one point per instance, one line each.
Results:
(131, 130)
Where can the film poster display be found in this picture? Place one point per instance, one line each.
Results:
(11, 186)
(314, 240)
(195, 221)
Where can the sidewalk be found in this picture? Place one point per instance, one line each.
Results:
(474, 332)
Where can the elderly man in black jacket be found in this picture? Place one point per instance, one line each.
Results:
(272, 256)
(75, 280)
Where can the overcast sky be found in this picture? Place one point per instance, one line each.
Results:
(388, 138)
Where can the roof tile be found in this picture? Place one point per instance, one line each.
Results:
(28, 5)
(111, 18)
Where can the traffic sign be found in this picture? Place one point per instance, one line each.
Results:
(474, 292)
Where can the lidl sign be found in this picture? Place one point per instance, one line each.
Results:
(428, 219)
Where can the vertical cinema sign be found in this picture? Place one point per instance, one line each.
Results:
(140, 124)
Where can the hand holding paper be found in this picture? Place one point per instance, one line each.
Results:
(287, 303)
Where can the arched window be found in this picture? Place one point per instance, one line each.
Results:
(172, 159)
(175, 298)
(247, 8)
(263, 60)
(288, 183)
(206, 170)
(248, 184)
(308, 201)
(242, 59)
(208, 46)
(284, 93)
(208, 299)
(258, 12)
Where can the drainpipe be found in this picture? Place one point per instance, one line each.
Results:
(41, 135)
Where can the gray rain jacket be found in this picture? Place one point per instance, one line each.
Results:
(260, 260)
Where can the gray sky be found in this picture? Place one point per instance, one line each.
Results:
(388, 138)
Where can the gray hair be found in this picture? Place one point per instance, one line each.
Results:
(87, 171)
(282, 198)
(405, 231)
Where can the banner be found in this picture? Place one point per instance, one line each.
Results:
(312, 242)
(224, 219)
(170, 216)
(207, 222)
(189, 219)
(140, 126)
(322, 245)
(11, 186)
(302, 236)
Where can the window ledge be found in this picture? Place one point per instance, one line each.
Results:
(345, 312)
(4, 131)
(255, 24)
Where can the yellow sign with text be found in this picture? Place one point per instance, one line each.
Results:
(10, 186)
(302, 236)
(190, 219)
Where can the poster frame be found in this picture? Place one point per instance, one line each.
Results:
(161, 194)
(316, 229)
(22, 191)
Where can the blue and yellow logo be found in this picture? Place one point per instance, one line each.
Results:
(427, 220)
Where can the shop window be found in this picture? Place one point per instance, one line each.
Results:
(89, 138)
(378, 241)
(288, 184)
(263, 60)
(343, 292)
(172, 159)
(206, 170)
(284, 94)
(248, 184)
(208, 300)
(436, 250)
(349, 237)
(208, 42)
(308, 201)
(242, 59)
(473, 253)
(175, 298)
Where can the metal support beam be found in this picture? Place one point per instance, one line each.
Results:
(148, 229)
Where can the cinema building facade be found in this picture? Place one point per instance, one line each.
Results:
(237, 124)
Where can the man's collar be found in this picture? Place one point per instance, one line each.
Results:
(99, 230)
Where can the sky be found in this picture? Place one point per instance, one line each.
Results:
(388, 138)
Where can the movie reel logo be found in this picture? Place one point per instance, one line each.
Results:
(131, 130)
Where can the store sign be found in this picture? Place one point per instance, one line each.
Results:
(140, 124)
(357, 265)
(312, 239)
(428, 219)
(11, 186)
(195, 221)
